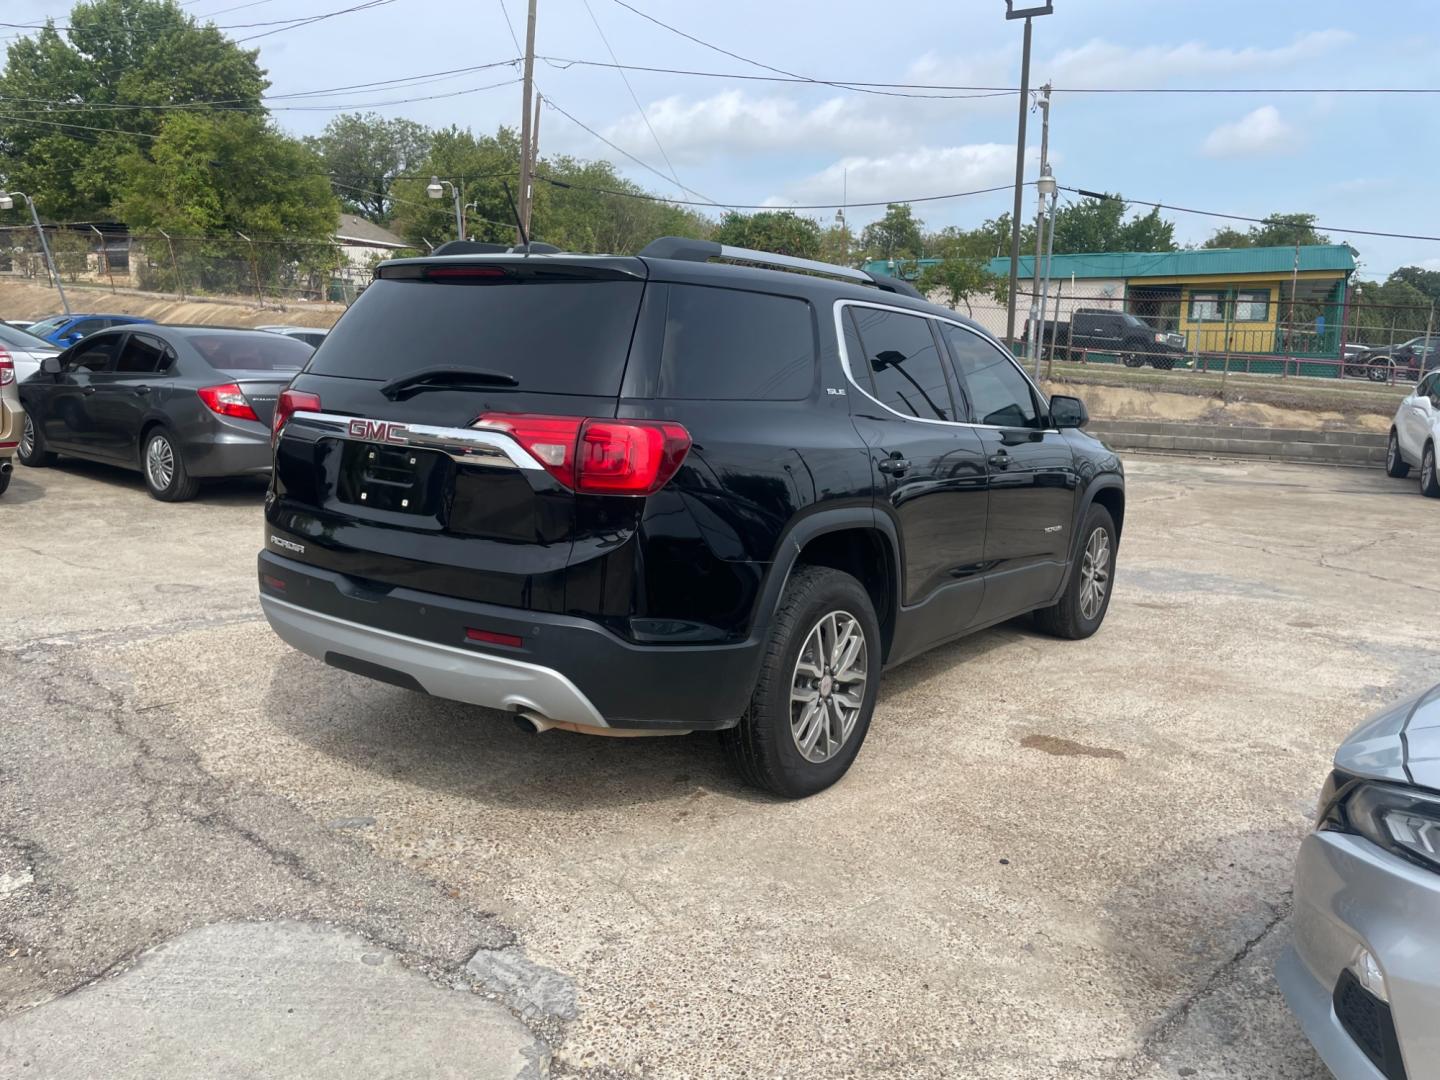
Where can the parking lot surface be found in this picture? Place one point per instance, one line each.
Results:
(1051, 859)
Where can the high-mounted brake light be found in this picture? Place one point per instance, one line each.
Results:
(227, 400)
(598, 456)
(289, 402)
(461, 272)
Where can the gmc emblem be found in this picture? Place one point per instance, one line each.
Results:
(377, 431)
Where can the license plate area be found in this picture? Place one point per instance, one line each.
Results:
(394, 479)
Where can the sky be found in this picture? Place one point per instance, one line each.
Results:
(1365, 161)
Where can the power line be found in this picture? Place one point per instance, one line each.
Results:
(1242, 217)
(638, 107)
(511, 27)
(296, 23)
(550, 103)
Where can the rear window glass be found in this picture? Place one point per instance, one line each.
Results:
(20, 339)
(728, 345)
(48, 326)
(251, 352)
(564, 337)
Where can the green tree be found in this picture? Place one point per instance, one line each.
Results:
(142, 55)
(585, 206)
(1427, 281)
(954, 280)
(897, 235)
(1382, 312)
(783, 232)
(481, 165)
(837, 245)
(1101, 225)
(364, 153)
(1277, 230)
(215, 175)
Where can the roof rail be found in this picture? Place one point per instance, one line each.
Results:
(896, 285)
(678, 247)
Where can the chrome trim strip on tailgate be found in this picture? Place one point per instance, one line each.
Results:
(463, 444)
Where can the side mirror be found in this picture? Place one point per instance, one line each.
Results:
(50, 365)
(1068, 412)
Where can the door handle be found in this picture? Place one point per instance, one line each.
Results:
(140, 391)
(89, 390)
(999, 460)
(894, 465)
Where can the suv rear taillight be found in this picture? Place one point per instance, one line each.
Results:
(227, 400)
(289, 402)
(598, 456)
(7, 368)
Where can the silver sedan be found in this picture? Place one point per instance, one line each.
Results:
(25, 350)
(1363, 974)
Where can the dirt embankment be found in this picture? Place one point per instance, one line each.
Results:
(27, 300)
(1125, 403)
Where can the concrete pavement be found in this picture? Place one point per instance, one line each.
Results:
(1051, 859)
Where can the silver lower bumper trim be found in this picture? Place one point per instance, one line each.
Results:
(447, 671)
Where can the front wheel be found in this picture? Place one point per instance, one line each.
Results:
(1081, 609)
(1429, 482)
(1381, 370)
(1395, 464)
(165, 476)
(816, 692)
(1132, 359)
(31, 451)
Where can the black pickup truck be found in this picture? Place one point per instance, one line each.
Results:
(1118, 332)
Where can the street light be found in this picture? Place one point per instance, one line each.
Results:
(1027, 14)
(7, 202)
(436, 190)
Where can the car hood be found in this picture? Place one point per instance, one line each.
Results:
(1400, 743)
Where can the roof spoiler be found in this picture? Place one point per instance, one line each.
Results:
(479, 247)
(684, 248)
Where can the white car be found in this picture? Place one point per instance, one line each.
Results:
(311, 335)
(1415, 433)
(23, 350)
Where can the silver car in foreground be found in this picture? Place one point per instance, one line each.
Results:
(1363, 973)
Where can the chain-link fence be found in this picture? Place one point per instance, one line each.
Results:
(1324, 331)
(256, 269)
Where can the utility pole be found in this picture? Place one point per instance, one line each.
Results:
(1027, 14)
(1035, 330)
(526, 120)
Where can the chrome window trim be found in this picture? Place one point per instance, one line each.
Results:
(475, 445)
(850, 376)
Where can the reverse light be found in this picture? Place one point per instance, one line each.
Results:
(227, 400)
(598, 456)
(290, 402)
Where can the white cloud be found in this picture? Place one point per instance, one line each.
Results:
(1103, 63)
(1255, 134)
(906, 174)
(734, 123)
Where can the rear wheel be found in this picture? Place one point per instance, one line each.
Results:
(816, 692)
(1081, 609)
(31, 451)
(4, 479)
(1163, 363)
(1132, 359)
(164, 469)
(1395, 464)
(1381, 369)
(1429, 482)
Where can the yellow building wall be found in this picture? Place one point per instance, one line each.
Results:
(1250, 335)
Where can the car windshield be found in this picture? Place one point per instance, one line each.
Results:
(16, 338)
(256, 351)
(49, 326)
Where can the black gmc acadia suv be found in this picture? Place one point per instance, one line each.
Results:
(663, 493)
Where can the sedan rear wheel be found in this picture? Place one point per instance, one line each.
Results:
(164, 469)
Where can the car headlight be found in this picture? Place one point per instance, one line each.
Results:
(1400, 820)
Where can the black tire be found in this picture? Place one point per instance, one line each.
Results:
(1395, 464)
(1381, 369)
(1067, 618)
(1132, 359)
(168, 485)
(1429, 479)
(763, 747)
(5, 479)
(1163, 363)
(32, 452)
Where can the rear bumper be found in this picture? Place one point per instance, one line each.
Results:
(228, 447)
(567, 669)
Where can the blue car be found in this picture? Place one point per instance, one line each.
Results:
(65, 330)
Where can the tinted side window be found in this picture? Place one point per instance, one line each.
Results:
(902, 363)
(94, 355)
(728, 345)
(87, 326)
(141, 355)
(999, 393)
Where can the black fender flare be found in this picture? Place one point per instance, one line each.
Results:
(793, 541)
(1082, 507)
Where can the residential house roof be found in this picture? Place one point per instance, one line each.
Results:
(1198, 262)
(354, 229)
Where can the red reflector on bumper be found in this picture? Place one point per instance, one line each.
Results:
(491, 637)
(272, 582)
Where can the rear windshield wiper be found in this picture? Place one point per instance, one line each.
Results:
(446, 378)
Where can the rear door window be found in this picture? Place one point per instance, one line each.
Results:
(729, 345)
(552, 336)
(902, 363)
(141, 356)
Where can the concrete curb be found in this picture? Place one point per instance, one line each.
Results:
(1272, 444)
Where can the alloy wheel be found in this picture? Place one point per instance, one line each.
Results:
(1095, 573)
(27, 439)
(1427, 470)
(160, 462)
(1392, 451)
(827, 689)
